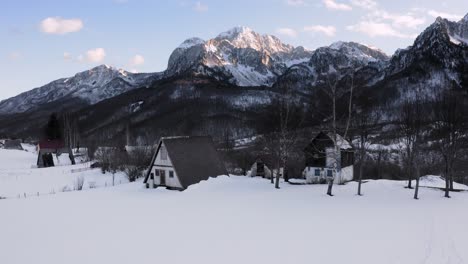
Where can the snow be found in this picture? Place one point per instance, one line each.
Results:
(236, 220)
(434, 181)
(456, 39)
(19, 175)
(191, 42)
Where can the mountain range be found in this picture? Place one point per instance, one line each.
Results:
(228, 83)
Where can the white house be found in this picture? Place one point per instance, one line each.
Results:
(182, 161)
(321, 156)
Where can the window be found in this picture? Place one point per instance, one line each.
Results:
(171, 174)
(163, 153)
(329, 173)
(152, 176)
(317, 172)
(156, 172)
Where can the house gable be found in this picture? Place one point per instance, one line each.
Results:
(162, 164)
(193, 159)
(318, 152)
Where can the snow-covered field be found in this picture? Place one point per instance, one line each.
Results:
(19, 176)
(237, 220)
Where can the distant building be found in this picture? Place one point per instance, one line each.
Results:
(182, 161)
(260, 169)
(320, 157)
(12, 144)
(47, 148)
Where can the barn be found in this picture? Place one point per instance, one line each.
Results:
(182, 161)
(320, 158)
(47, 148)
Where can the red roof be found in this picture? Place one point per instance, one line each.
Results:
(51, 144)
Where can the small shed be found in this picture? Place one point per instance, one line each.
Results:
(13, 144)
(47, 148)
(260, 169)
(182, 161)
(321, 156)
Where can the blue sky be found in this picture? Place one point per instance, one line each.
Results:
(49, 39)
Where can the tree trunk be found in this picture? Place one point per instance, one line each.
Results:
(408, 171)
(277, 179)
(330, 187)
(416, 190)
(360, 177)
(285, 174)
(447, 182)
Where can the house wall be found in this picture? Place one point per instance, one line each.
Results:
(310, 177)
(166, 165)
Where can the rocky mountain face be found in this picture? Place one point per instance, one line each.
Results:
(230, 83)
(90, 87)
(437, 60)
(337, 61)
(239, 56)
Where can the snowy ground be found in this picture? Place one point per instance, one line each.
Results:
(237, 220)
(20, 177)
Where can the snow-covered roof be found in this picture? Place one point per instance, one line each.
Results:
(340, 141)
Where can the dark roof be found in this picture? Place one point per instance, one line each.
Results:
(323, 140)
(13, 144)
(51, 144)
(194, 159)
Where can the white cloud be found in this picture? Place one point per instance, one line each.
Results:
(67, 56)
(376, 29)
(434, 13)
(95, 55)
(15, 55)
(331, 4)
(329, 31)
(200, 7)
(400, 21)
(60, 26)
(295, 2)
(137, 60)
(287, 32)
(366, 4)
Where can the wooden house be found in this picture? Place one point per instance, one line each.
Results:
(182, 161)
(321, 156)
(47, 148)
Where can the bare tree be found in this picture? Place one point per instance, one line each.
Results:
(450, 124)
(335, 91)
(283, 141)
(411, 128)
(364, 123)
(71, 132)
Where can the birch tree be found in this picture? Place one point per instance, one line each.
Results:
(284, 139)
(335, 91)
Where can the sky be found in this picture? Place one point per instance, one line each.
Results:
(41, 41)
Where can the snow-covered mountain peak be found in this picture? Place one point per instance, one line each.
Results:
(191, 42)
(240, 56)
(244, 37)
(90, 86)
(235, 32)
(465, 19)
(359, 51)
